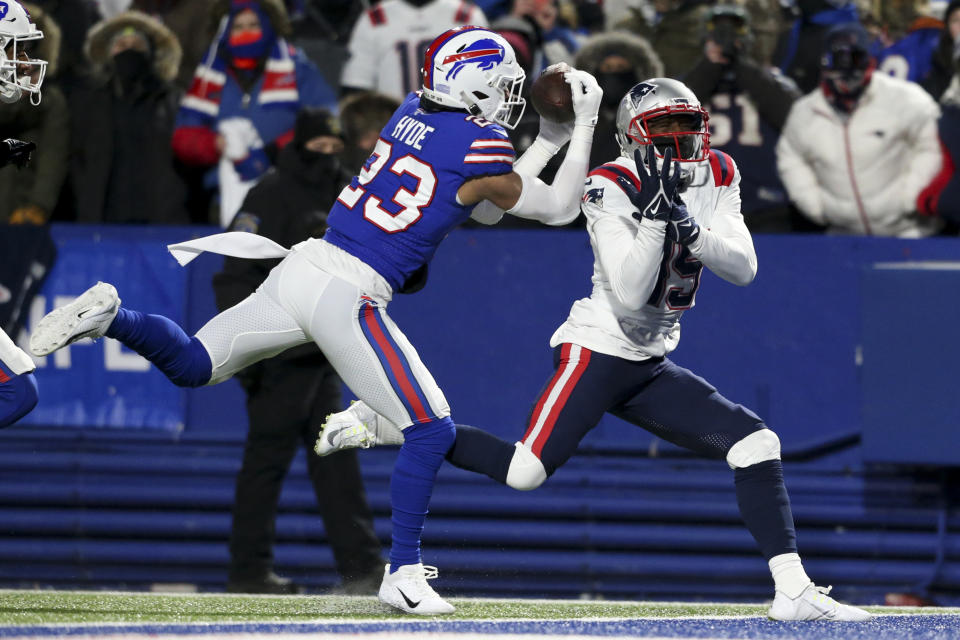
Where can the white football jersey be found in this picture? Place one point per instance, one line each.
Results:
(642, 282)
(389, 40)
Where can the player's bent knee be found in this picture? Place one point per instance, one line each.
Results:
(760, 446)
(526, 471)
(20, 398)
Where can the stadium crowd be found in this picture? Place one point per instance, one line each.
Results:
(843, 115)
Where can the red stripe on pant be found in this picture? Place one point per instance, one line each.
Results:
(369, 316)
(569, 384)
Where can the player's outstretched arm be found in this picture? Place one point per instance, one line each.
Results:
(521, 193)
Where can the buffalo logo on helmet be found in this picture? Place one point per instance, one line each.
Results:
(485, 53)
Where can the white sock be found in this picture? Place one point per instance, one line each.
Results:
(788, 574)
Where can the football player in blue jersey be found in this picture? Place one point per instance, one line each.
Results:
(611, 355)
(443, 157)
(20, 75)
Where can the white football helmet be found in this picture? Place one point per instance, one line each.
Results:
(18, 71)
(475, 69)
(658, 98)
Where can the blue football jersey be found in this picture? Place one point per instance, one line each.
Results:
(394, 214)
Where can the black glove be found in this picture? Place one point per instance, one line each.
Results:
(654, 199)
(16, 151)
(681, 227)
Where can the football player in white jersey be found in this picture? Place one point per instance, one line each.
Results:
(389, 40)
(19, 75)
(657, 215)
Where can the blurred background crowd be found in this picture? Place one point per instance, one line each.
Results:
(843, 115)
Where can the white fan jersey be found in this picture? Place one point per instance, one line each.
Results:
(389, 40)
(642, 282)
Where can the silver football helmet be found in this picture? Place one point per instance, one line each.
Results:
(19, 72)
(665, 113)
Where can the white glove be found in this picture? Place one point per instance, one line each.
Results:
(586, 96)
(239, 136)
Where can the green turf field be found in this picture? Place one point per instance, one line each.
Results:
(48, 607)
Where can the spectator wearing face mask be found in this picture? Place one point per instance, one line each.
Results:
(618, 60)
(748, 104)
(243, 102)
(857, 152)
(121, 165)
(798, 49)
(288, 206)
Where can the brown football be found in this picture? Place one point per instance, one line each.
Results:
(550, 95)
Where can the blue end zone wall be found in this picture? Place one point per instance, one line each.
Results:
(786, 346)
(148, 499)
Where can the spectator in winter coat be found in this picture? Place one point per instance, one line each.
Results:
(748, 105)
(122, 164)
(856, 152)
(618, 60)
(242, 105)
(289, 206)
(29, 196)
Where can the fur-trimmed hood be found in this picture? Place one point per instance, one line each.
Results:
(643, 59)
(49, 48)
(165, 46)
(275, 9)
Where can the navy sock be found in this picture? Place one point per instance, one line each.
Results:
(161, 341)
(481, 451)
(765, 507)
(411, 485)
(18, 396)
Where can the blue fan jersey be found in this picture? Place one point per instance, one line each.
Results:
(394, 214)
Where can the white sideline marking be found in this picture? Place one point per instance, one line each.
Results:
(362, 636)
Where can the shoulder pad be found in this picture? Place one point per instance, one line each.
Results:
(611, 171)
(723, 168)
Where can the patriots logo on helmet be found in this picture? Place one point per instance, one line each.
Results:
(4, 7)
(594, 196)
(486, 53)
(641, 90)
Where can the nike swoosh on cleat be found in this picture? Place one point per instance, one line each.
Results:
(86, 312)
(410, 603)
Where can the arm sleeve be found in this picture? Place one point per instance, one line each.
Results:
(558, 203)
(629, 252)
(360, 71)
(796, 173)
(726, 247)
(925, 155)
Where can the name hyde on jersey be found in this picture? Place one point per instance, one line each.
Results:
(412, 132)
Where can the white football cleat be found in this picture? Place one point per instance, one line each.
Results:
(89, 316)
(814, 604)
(359, 426)
(407, 590)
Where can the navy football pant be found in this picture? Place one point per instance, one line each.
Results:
(665, 399)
